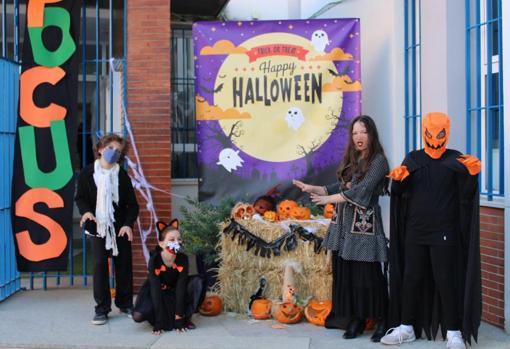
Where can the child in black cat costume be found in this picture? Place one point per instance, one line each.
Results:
(163, 300)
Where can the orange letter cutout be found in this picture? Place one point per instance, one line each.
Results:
(29, 80)
(36, 12)
(57, 242)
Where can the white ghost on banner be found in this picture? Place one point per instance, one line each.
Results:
(230, 159)
(320, 40)
(294, 118)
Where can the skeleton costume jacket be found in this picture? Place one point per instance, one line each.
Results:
(356, 230)
(460, 229)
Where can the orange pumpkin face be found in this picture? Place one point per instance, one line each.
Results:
(435, 133)
(285, 207)
(242, 210)
(271, 216)
(211, 306)
(316, 312)
(329, 210)
(288, 313)
(261, 309)
(301, 213)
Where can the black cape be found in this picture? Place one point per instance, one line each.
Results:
(468, 257)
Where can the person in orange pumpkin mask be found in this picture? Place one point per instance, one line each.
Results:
(434, 257)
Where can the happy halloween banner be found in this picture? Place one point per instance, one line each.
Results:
(273, 102)
(43, 184)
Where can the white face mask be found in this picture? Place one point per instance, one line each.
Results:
(174, 246)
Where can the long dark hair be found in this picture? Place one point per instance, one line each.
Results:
(351, 163)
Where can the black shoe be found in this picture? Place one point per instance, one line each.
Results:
(99, 319)
(190, 325)
(379, 332)
(356, 327)
(127, 311)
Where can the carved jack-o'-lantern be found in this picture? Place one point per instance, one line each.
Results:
(242, 210)
(211, 306)
(285, 207)
(261, 309)
(435, 132)
(263, 204)
(316, 312)
(287, 313)
(329, 210)
(300, 213)
(271, 216)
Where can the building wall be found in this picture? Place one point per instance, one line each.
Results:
(492, 256)
(148, 91)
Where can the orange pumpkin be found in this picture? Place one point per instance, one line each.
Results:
(300, 213)
(271, 216)
(316, 312)
(285, 207)
(211, 306)
(288, 313)
(261, 309)
(329, 210)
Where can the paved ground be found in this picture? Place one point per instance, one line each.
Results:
(60, 318)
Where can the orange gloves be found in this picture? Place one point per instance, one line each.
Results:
(399, 173)
(472, 163)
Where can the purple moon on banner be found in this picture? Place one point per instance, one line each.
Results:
(274, 100)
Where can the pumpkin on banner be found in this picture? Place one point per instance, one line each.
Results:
(211, 306)
(261, 309)
(316, 312)
(288, 313)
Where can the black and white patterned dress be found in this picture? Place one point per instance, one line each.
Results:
(356, 231)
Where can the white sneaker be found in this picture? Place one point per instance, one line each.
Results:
(398, 335)
(456, 342)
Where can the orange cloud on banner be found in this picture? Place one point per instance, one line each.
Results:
(336, 54)
(222, 47)
(208, 112)
(342, 83)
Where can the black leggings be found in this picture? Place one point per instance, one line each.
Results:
(418, 261)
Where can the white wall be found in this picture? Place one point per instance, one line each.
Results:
(443, 64)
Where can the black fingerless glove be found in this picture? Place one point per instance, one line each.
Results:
(180, 324)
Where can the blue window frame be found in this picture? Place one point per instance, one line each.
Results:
(484, 92)
(412, 74)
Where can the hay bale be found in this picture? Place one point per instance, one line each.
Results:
(240, 270)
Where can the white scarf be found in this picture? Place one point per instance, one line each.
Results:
(107, 183)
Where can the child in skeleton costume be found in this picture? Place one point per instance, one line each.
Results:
(434, 242)
(106, 200)
(355, 236)
(169, 297)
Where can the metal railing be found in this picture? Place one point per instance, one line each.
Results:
(484, 92)
(412, 74)
(10, 280)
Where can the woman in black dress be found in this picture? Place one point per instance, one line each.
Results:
(355, 238)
